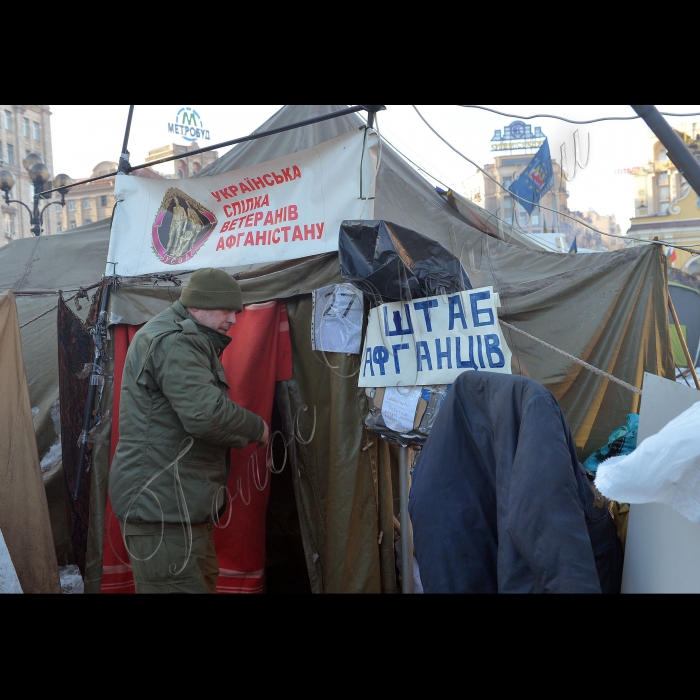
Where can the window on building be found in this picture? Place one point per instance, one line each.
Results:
(72, 224)
(506, 183)
(535, 219)
(59, 227)
(25, 125)
(663, 156)
(87, 221)
(86, 203)
(8, 120)
(10, 154)
(663, 192)
(71, 205)
(37, 132)
(522, 217)
(103, 200)
(58, 207)
(180, 174)
(507, 208)
(9, 224)
(31, 191)
(1, 152)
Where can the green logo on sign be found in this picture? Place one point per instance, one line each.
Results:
(188, 124)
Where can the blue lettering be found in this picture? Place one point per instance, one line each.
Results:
(425, 306)
(381, 356)
(425, 355)
(398, 325)
(171, 128)
(476, 312)
(456, 303)
(368, 361)
(447, 354)
(467, 364)
(478, 350)
(395, 350)
(493, 347)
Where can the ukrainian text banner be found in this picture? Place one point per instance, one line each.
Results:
(433, 340)
(283, 209)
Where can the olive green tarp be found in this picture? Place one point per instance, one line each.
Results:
(608, 309)
(24, 515)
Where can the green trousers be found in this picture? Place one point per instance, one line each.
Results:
(160, 561)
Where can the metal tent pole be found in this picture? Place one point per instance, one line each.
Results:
(678, 153)
(92, 392)
(406, 531)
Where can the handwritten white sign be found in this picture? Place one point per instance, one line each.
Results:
(433, 340)
(399, 408)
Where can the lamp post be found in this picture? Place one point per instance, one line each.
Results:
(41, 178)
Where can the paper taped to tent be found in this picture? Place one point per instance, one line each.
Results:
(336, 502)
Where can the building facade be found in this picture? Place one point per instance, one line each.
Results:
(24, 129)
(515, 145)
(90, 202)
(183, 167)
(667, 207)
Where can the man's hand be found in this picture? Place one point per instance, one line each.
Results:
(265, 436)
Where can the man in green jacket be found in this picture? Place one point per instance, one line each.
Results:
(168, 478)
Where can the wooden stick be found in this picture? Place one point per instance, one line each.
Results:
(691, 364)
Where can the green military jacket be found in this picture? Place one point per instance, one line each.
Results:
(176, 424)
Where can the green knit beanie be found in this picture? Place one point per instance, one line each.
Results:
(211, 288)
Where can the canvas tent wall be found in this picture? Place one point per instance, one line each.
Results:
(24, 518)
(608, 309)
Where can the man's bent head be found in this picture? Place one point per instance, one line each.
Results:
(218, 319)
(211, 289)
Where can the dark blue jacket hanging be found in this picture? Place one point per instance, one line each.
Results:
(499, 501)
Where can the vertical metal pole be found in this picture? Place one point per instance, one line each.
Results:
(406, 531)
(92, 391)
(124, 166)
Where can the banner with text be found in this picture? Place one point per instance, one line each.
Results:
(433, 340)
(286, 208)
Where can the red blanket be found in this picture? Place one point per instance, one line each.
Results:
(259, 354)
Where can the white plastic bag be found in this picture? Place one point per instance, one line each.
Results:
(665, 468)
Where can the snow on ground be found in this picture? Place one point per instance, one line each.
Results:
(71, 580)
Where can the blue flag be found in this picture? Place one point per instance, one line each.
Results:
(574, 247)
(535, 180)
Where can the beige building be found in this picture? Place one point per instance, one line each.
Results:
(667, 207)
(183, 167)
(24, 129)
(90, 202)
(515, 145)
(95, 200)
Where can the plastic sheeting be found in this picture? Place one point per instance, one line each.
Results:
(663, 469)
(392, 263)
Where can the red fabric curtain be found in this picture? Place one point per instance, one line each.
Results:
(259, 355)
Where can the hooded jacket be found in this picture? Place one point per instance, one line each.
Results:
(176, 424)
(499, 501)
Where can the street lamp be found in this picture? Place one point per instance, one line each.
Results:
(41, 178)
